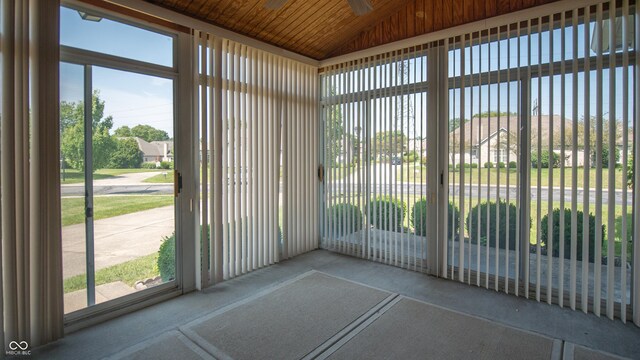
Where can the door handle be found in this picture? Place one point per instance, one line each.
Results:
(177, 183)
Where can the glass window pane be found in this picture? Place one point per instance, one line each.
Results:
(84, 31)
(73, 186)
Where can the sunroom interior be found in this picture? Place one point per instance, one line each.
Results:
(335, 179)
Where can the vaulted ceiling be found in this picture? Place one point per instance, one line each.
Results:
(324, 28)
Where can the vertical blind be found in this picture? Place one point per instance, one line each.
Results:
(541, 137)
(538, 160)
(374, 154)
(30, 208)
(258, 153)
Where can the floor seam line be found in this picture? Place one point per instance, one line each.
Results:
(352, 329)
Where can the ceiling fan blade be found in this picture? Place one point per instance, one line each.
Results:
(274, 4)
(360, 7)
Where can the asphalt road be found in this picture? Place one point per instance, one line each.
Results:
(485, 192)
(342, 188)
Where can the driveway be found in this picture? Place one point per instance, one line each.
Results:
(117, 239)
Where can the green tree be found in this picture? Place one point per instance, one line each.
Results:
(334, 131)
(123, 131)
(127, 155)
(389, 143)
(72, 133)
(148, 133)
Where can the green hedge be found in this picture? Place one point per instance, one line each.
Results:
(488, 165)
(418, 218)
(386, 213)
(503, 207)
(148, 165)
(544, 235)
(346, 219)
(513, 165)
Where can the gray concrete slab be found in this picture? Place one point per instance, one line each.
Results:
(117, 239)
(550, 320)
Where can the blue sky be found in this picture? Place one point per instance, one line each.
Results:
(130, 98)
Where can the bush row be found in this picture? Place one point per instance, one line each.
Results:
(485, 223)
(487, 165)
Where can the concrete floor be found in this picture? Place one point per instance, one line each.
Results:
(576, 327)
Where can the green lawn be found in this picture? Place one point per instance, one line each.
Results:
(72, 176)
(128, 272)
(109, 206)
(338, 172)
(409, 172)
(162, 178)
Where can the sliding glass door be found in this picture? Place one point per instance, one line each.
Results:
(117, 157)
(376, 192)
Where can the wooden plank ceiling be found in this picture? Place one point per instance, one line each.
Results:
(324, 28)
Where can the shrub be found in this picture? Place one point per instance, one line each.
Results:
(513, 165)
(501, 165)
(544, 159)
(544, 235)
(418, 217)
(167, 258)
(166, 165)
(386, 213)
(423, 160)
(346, 219)
(474, 165)
(167, 255)
(410, 157)
(488, 165)
(503, 207)
(148, 165)
(605, 156)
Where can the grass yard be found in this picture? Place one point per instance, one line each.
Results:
(413, 173)
(110, 206)
(165, 177)
(128, 272)
(72, 176)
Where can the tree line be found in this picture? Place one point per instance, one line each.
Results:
(117, 151)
